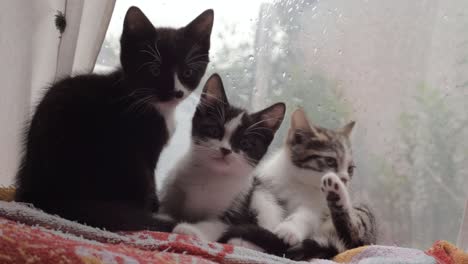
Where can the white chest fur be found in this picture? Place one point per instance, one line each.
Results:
(284, 176)
(206, 192)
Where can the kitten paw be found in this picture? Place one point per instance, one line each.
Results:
(334, 190)
(238, 242)
(288, 233)
(188, 229)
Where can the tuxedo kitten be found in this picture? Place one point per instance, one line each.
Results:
(309, 175)
(94, 141)
(211, 185)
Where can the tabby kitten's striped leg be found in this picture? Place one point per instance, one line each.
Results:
(355, 226)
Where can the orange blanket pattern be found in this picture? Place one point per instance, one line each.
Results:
(446, 253)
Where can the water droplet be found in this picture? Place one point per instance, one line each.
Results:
(290, 10)
(227, 75)
(340, 52)
(251, 58)
(284, 74)
(277, 92)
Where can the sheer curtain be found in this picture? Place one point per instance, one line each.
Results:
(35, 53)
(399, 68)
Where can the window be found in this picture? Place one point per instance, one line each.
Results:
(399, 68)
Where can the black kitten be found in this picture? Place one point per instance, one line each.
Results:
(92, 146)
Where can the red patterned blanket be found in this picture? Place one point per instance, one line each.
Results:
(28, 235)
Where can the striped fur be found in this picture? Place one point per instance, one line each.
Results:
(310, 177)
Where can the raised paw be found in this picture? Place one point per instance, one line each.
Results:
(188, 229)
(334, 189)
(238, 242)
(289, 233)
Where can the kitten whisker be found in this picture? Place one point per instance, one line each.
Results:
(148, 63)
(260, 128)
(261, 121)
(157, 50)
(192, 50)
(156, 59)
(254, 133)
(193, 58)
(212, 96)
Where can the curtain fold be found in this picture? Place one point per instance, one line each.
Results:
(462, 241)
(35, 53)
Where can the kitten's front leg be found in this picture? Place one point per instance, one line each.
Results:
(354, 225)
(269, 212)
(209, 230)
(335, 192)
(297, 226)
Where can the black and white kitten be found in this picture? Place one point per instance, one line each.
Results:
(309, 175)
(210, 187)
(92, 146)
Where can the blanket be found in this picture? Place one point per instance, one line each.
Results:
(28, 235)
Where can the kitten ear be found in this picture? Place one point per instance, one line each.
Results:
(136, 23)
(346, 130)
(299, 121)
(272, 117)
(213, 92)
(200, 27)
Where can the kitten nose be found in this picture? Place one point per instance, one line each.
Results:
(225, 151)
(178, 94)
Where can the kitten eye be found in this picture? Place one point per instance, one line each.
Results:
(154, 70)
(351, 170)
(331, 162)
(213, 131)
(246, 144)
(187, 73)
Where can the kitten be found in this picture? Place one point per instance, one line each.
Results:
(211, 185)
(309, 175)
(93, 143)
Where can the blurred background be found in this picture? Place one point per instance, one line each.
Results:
(399, 68)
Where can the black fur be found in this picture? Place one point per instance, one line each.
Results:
(310, 249)
(258, 236)
(93, 143)
(253, 136)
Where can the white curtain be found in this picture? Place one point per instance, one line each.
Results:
(462, 241)
(34, 54)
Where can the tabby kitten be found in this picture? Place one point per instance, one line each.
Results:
(211, 185)
(93, 143)
(309, 175)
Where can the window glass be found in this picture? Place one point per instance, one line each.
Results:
(399, 68)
